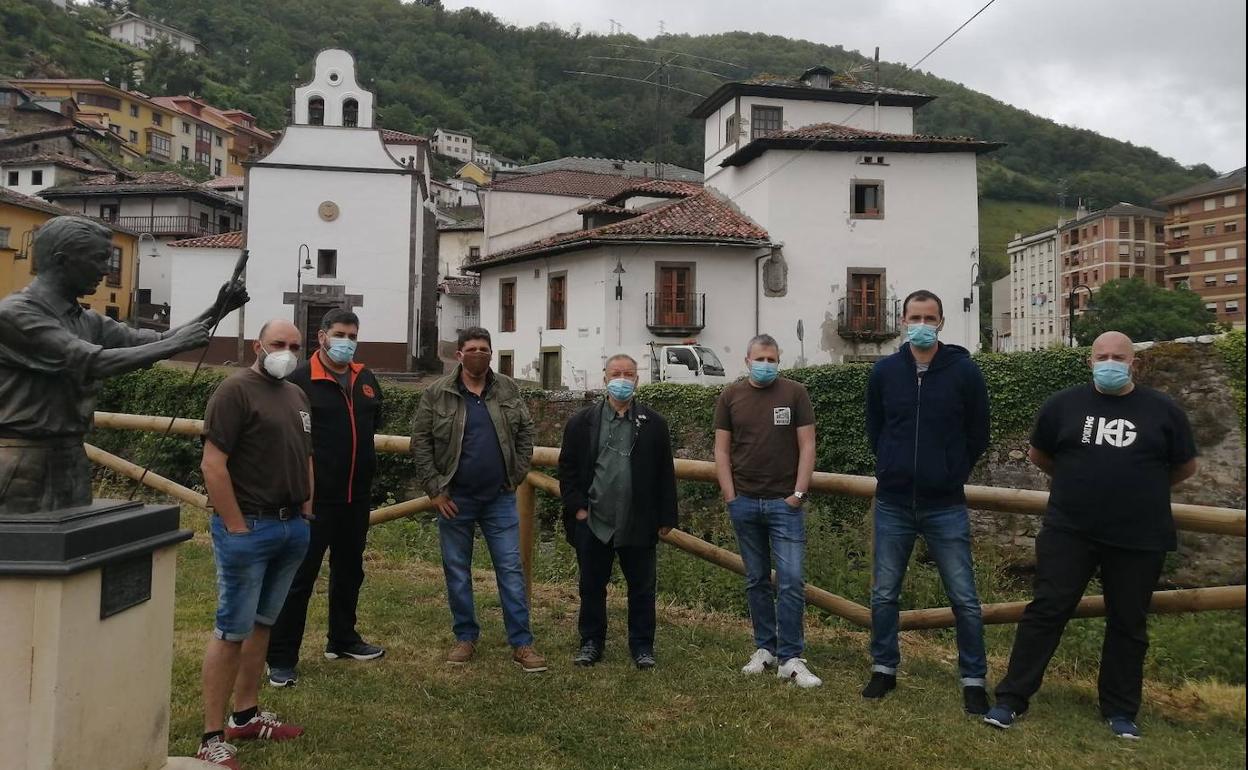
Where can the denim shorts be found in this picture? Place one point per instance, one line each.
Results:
(254, 572)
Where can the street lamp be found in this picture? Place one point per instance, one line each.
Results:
(1070, 307)
(306, 254)
(150, 239)
(619, 271)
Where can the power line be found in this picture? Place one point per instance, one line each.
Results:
(665, 64)
(845, 121)
(635, 80)
(678, 53)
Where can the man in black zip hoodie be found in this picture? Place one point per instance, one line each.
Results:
(346, 411)
(927, 421)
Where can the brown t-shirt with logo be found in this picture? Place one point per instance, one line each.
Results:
(265, 426)
(764, 423)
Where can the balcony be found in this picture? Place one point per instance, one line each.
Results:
(872, 323)
(1173, 244)
(675, 315)
(169, 225)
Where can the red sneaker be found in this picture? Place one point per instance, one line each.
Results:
(263, 726)
(218, 752)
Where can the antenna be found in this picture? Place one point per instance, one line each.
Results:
(662, 28)
(616, 27)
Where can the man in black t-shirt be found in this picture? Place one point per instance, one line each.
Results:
(1113, 450)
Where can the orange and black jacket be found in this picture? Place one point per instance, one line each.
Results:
(344, 422)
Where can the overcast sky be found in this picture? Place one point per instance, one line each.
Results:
(1166, 74)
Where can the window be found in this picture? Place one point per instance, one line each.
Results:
(223, 223)
(134, 136)
(219, 141)
(115, 129)
(731, 132)
(99, 100)
(864, 306)
(1211, 307)
(350, 113)
(1209, 230)
(36, 176)
(1230, 227)
(556, 293)
(203, 158)
(1230, 279)
(158, 145)
(1210, 203)
(1230, 200)
(186, 153)
(1211, 280)
(1211, 255)
(216, 167)
(1232, 306)
(14, 177)
(316, 111)
(674, 303)
(326, 263)
(506, 363)
(114, 267)
(113, 312)
(203, 221)
(1230, 252)
(868, 199)
(765, 119)
(202, 134)
(186, 127)
(158, 119)
(4, 237)
(507, 305)
(474, 253)
(108, 212)
(1124, 250)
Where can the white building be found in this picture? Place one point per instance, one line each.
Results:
(201, 264)
(866, 210)
(31, 174)
(1002, 316)
(453, 144)
(132, 29)
(659, 263)
(1034, 305)
(336, 220)
(525, 208)
(483, 156)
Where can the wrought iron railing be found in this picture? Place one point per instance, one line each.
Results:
(675, 313)
(878, 320)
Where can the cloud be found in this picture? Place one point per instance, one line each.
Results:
(1155, 73)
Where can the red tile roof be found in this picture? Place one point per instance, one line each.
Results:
(232, 240)
(701, 218)
(574, 183)
(15, 198)
(389, 136)
(836, 137)
(224, 181)
(659, 188)
(67, 161)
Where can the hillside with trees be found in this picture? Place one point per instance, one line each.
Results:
(510, 86)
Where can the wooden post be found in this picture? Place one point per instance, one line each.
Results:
(153, 480)
(526, 506)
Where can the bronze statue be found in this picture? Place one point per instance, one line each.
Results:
(53, 355)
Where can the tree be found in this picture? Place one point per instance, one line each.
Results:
(1143, 312)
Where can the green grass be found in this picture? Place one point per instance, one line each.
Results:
(695, 711)
(999, 221)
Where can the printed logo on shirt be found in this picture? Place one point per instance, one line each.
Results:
(1117, 432)
(307, 421)
(368, 391)
(781, 415)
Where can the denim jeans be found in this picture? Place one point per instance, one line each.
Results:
(254, 572)
(947, 532)
(500, 524)
(767, 531)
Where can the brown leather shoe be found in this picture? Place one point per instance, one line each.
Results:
(461, 653)
(529, 659)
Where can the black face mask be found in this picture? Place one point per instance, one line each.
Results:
(475, 364)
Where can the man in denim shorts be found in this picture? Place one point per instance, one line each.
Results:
(257, 467)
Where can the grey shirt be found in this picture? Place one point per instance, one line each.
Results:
(611, 493)
(48, 347)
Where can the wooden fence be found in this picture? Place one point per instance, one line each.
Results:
(1190, 518)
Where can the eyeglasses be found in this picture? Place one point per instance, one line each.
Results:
(614, 444)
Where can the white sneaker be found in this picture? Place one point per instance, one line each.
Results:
(760, 661)
(796, 672)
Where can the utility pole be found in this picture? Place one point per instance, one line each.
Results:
(875, 120)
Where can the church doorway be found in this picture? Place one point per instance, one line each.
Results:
(313, 317)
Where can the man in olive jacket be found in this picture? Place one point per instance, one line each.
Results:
(472, 443)
(619, 494)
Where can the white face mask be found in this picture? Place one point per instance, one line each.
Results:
(279, 365)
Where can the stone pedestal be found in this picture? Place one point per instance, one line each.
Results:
(86, 632)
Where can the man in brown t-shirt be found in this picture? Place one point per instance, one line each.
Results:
(764, 459)
(257, 467)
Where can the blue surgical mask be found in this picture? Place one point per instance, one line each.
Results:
(764, 372)
(921, 336)
(621, 389)
(1111, 376)
(341, 350)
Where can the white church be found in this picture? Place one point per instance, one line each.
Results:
(335, 217)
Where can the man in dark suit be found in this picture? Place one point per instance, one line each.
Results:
(619, 495)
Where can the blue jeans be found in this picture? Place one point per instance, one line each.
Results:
(500, 524)
(254, 572)
(947, 532)
(770, 530)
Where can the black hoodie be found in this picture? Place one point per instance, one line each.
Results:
(927, 431)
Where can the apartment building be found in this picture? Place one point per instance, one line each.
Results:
(203, 135)
(1204, 247)
(1034, 319)
(1122, 241)
(454, 144)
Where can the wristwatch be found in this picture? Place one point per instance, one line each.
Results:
(799, 495)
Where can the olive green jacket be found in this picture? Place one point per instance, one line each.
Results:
(438, 430)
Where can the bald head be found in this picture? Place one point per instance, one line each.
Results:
(1112, 346)
(275, 335)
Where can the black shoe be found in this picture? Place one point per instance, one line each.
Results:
(645, 660)
(360, 650)
(881, 684)
(975, 700)
(589, 654)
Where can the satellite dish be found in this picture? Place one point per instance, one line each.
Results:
(801, 330)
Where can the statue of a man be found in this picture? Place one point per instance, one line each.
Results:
(53, 355)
